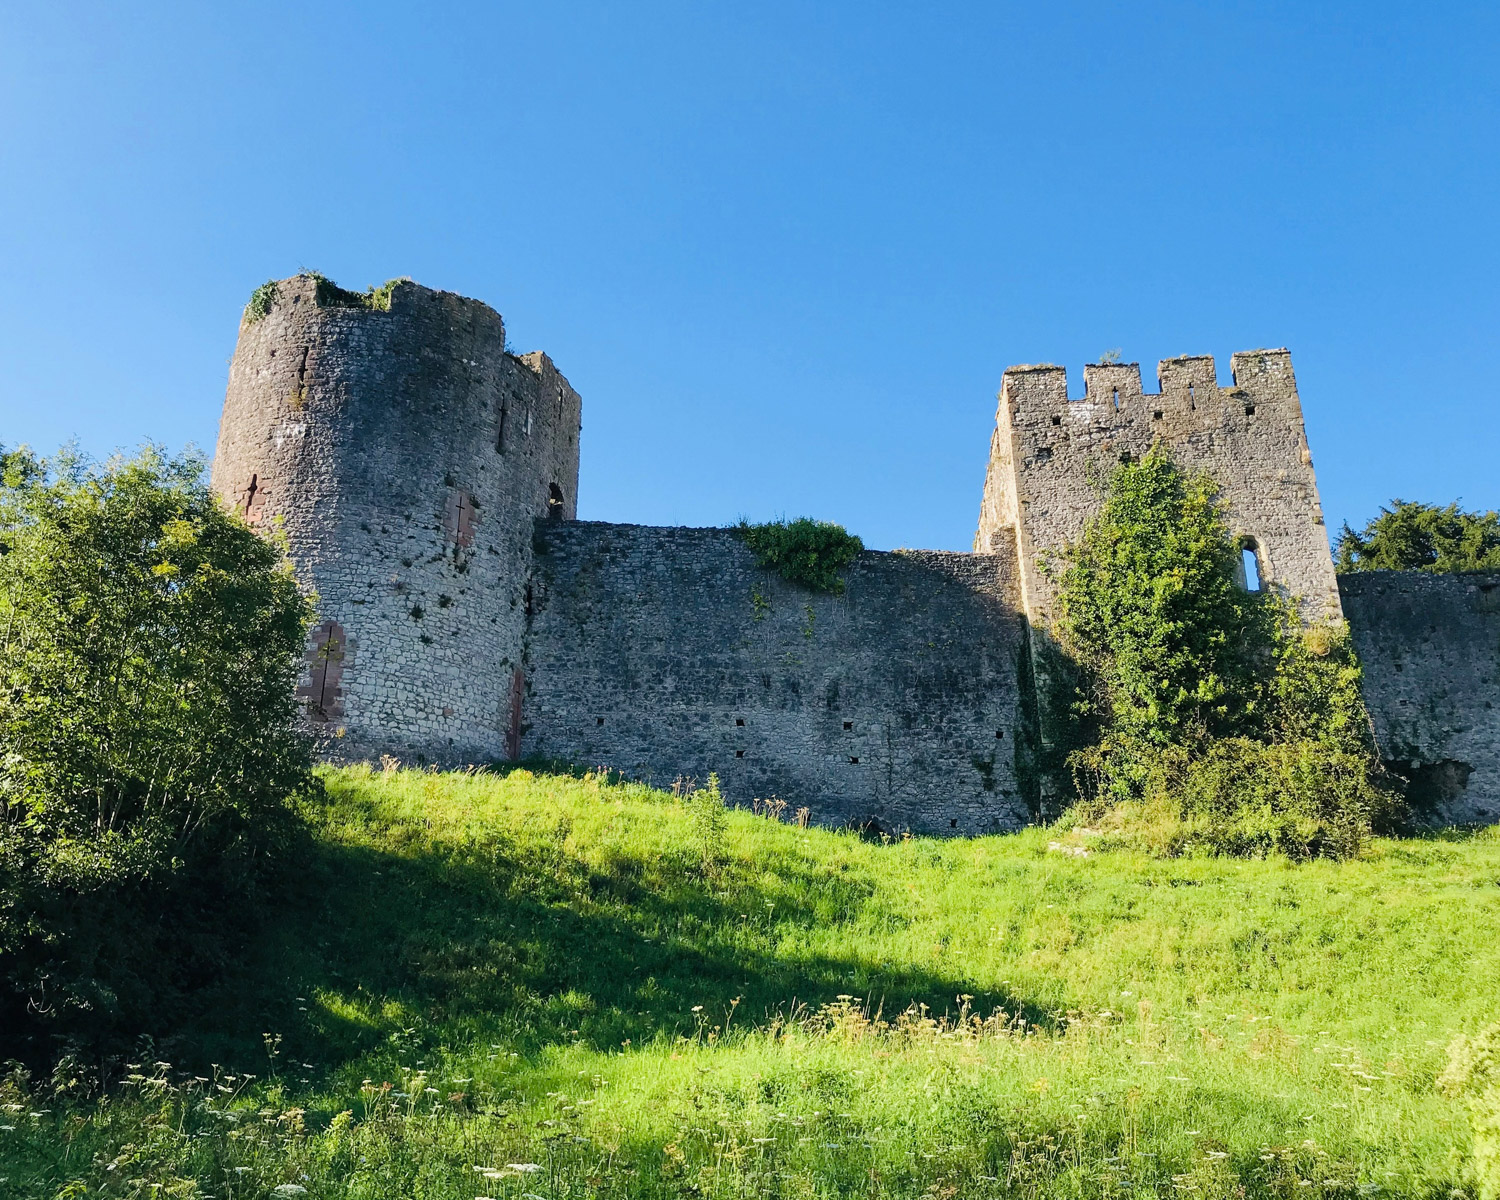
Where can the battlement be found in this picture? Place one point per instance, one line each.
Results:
(1256, 375)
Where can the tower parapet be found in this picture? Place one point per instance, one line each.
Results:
(407, 456)
(1049, 456)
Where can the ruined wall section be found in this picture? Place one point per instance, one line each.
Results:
(1050, 457)
(1430, 648)
(407, 457)
(667, 654)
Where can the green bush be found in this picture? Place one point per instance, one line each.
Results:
(1408, 536)
(1224, 723)
(149, 648)
(812, 554)
(261, 301)
(328, 294)
(1303, 799)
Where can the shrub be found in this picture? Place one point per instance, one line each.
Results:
(1408, 536)
(710, 824)
(809, 553)
(1225, 724)
(328, 294)
(149, 647)
(1237, 796)
(261, 300)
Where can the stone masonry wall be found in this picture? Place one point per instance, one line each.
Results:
(1049, 457)
(1430, 648)
(667, 653)
(407, 456)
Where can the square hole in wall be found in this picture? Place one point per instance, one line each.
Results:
(999, 734)
(848, 724)
(952, 822)
(1156, 414)
(854, 758)
(739, 754)
(1057, 420)
(598, 720)
(1249, 410)
(739, 721)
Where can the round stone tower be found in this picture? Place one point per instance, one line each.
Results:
(406, 455)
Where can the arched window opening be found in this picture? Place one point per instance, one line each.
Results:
(554, 502)
(1249, 572)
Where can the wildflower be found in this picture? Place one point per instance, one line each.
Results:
(289, 1189)
(524, 1168)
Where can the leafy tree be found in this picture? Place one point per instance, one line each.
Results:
(149, 648)
(1151, 608)
(1408, 536)
(1222, 721)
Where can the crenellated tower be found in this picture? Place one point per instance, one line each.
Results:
(1049, 456)
(406, 455)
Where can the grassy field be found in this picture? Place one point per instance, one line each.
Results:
(551, 987)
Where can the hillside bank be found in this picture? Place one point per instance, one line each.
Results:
(540, 985)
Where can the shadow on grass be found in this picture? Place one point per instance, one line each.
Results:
(528, 946)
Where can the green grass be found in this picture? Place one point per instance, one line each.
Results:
(467, 971)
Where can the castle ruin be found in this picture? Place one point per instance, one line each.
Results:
(426, 479)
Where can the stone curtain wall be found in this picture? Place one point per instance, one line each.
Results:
(1430, 648)
(1050, 456)
(408, 457)
(667, 653)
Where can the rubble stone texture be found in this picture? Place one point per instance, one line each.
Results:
(426, 482)
(1430, 648)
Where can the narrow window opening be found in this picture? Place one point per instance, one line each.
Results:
(529, 610)
(1116, 397)
(500, 430)
(1250, 566)
(952, 822)
(1057, 420)
(554, 502)
(1249, 410)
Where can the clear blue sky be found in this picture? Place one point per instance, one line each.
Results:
(784, 251)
